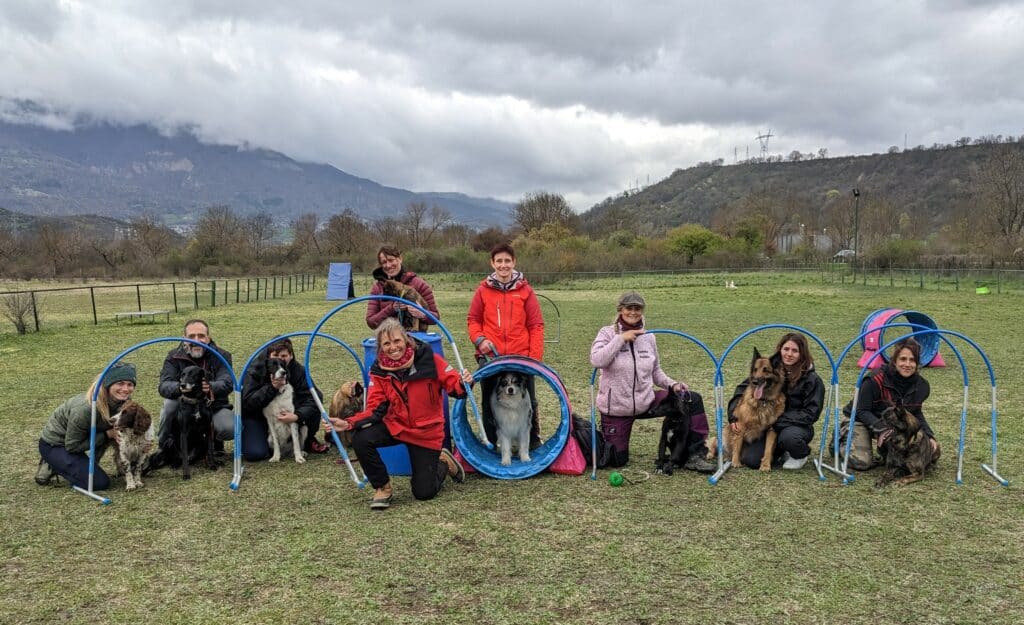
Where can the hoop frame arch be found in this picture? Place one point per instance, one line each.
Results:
(992, 469)
(593, 401)
(841, 471)
(723, 465)
(548, 451)
(316, 397)
(237, 473)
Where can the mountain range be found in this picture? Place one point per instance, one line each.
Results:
(124, 171)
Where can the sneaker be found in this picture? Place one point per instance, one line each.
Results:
(455, 470)
(791, 463)
(382, 498)
(700, 464)
(44, 473)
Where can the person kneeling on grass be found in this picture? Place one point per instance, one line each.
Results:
(404, 405)
(64, 440)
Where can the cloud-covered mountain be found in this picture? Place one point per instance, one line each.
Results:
(120, 172)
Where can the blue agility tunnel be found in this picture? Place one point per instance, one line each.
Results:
(485, 459)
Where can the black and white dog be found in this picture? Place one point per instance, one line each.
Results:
(513, 415)
(131, 447)
(192, 426)
(279, 433)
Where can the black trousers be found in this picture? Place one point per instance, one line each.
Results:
(793, 438)
(487, 415)
(428, 472)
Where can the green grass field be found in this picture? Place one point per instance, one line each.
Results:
(299, 544)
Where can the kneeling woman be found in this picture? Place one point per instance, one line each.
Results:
(628, 359)
(64, 440)
(805, 397)
(404, 406)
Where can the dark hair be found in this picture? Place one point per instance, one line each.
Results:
(806, 360)
(191, 321)
(280, 345)
(390, 250)
(907, 343)
(503, 247)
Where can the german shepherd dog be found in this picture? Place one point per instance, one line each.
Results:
(130, 447)
(395, 288)
(192, 425)
(673, 446)
(513, 414)
(908, 450)
(347, 401)
(759, 408)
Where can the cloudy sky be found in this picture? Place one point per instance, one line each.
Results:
(498, 99)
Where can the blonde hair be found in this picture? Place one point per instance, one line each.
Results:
(390, 326)
(102, 400)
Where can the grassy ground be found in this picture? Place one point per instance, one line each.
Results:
(299, 544)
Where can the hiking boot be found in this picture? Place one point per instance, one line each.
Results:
(700, 464)
(382, 497)
(44, 473)
(455, 470)
(791, 463)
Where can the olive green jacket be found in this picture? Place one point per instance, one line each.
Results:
(69, 425)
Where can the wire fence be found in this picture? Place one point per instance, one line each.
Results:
(129, 303)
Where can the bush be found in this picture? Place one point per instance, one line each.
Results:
(18, 308)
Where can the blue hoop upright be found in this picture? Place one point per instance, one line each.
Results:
(724, 465)
(237, 473)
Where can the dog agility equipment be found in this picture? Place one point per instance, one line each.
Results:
(339, 282)
(877, 320)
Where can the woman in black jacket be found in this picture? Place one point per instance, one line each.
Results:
(897, 382)
(805, 396)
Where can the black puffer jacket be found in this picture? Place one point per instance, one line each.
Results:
(217, 374)
(882, 389)
(804, 401)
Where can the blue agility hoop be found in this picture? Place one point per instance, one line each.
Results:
(483, 458)
(455, 348)
(593, 402)
(724, 465)
(841, 469)
(237, 474)
(309, 380)
(991, 469)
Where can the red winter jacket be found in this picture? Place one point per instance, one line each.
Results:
(408, 401)
(511, 319)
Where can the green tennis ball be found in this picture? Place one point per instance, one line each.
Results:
(615, 479)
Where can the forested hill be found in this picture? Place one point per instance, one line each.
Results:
(925, 183)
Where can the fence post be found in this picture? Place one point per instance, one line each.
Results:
(195, 293)
(92, 296)
(921, 285)
(138, 297)
(999, 285)
(274, 292)
(956, 276)
(174, 294)
(35, 311)
(891, 283)
(213, 293)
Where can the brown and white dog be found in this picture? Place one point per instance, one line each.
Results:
(347, 401)
(133, 444)
(394, 288)
(759, 408)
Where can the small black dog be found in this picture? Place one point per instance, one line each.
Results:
(908, 450)
(674, 444)
(192, 426)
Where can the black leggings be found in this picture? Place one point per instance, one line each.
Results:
(428, 472)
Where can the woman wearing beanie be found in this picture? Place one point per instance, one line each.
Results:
(630, 369)
(64, 441)
(805, 398)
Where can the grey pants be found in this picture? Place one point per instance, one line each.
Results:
(223, 421)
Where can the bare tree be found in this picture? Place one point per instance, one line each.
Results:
(345, 234)
(541, 207)
(413, 220)
(305, 229)
(998, 187)
(215, 234)
(387, 229)
(257, 231)
(58, 245)
(151, 236)
(17, 308)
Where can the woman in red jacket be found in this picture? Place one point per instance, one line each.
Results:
(404, 406)
(505, 319)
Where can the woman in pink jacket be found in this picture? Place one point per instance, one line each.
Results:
(630, 368)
